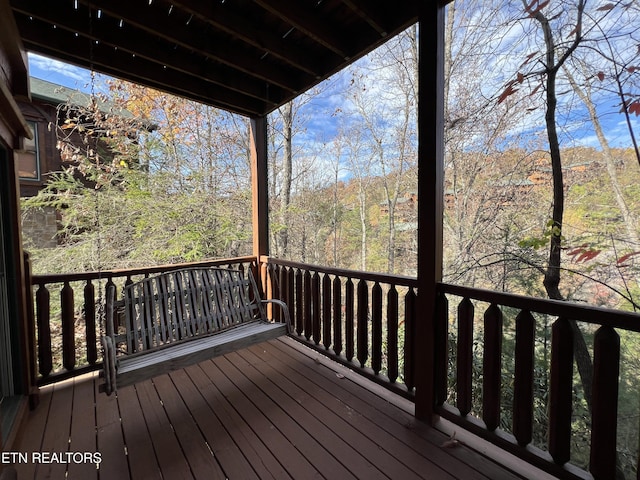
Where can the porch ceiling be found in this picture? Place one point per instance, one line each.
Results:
(245, 56)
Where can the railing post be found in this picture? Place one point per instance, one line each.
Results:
(561, 391)
(606, 369)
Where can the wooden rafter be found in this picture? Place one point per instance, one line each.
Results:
(244, 56)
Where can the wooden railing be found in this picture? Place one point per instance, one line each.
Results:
(363, 320)
(67, 315)
(504, 364)
(493, 351)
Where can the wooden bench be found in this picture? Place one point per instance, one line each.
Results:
(182, 317)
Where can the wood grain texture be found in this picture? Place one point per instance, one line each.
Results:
(182, 317)
(272, 411)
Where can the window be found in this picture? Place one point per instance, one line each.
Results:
(28, 158)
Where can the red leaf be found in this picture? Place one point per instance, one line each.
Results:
(626, 257)
(600, 76)
(507, 92)
(588, 255)
(528, 58)
(577, 250)
(631, 69)
(535, 90)
(634, 107)
(605, 8)
(532, 8)
(520, 78)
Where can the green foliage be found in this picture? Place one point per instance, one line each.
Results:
(119, 205)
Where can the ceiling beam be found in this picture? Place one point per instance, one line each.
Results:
(150, 49)
(58, 43)
(374, 17)
(240, 26)
(306, 21)
(206, 42)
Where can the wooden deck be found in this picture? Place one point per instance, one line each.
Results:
(270, 411)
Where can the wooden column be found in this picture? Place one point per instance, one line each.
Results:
(259, 186)
(430, 194)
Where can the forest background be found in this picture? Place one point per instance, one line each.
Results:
(542, 170)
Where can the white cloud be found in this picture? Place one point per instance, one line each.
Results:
(55, 70)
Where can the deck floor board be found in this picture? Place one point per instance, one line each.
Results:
(271, 411)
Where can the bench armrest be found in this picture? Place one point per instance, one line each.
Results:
(285, 309)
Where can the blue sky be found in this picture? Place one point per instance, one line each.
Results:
(60, 73)
(322, 127)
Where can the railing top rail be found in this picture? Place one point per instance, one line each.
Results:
(341, 272)
(105, 274)
(575, 311)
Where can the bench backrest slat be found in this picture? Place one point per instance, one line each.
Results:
(186, 303)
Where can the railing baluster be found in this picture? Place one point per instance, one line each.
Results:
(348, 318)
(299, 303)
(376, 328)
(274, 282)
(441, 345)
(606, 368)
(308, 301)
(523, 383)
(90, 322)
(363, 323)
(337, 315)
(316, 308)
(326, 311)
(465, 356)
(290, 295)
(409, 339)
(492, 367)
(560, 391)
(68, 327)
(43, 317)
(392, 334)
(283, 289)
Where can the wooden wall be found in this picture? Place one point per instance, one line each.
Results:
(14, 86)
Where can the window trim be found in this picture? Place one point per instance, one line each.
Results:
(33, 125)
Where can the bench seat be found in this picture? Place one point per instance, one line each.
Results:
(137, 367)
(182, 317)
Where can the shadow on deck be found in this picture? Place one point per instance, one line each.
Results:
(275, 410)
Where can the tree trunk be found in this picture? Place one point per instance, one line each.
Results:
(552, 274)
(287, 163)
(630, 223)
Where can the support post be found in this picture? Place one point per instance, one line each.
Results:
(259, 186)
(430, 193)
